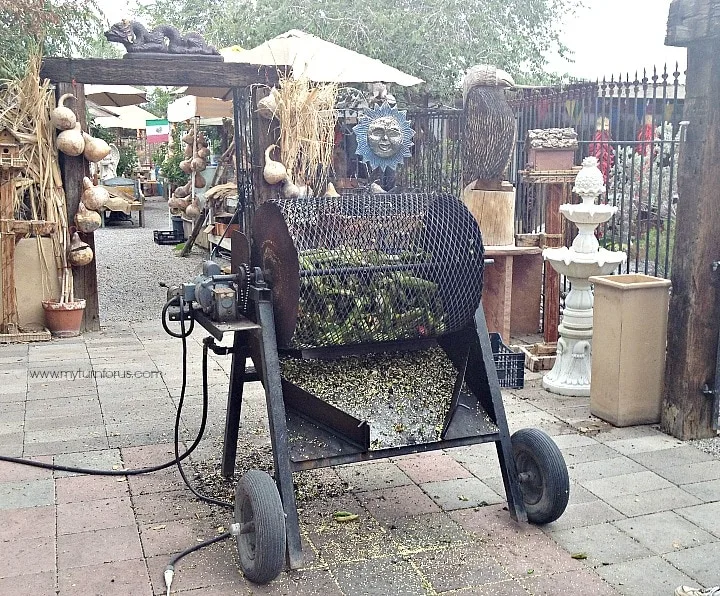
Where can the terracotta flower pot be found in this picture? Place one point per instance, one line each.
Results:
(64, 319)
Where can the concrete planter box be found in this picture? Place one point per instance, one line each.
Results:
(628, 351)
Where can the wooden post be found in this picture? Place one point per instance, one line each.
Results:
(265, 133)
(7, 245)
(74, 169)
(694, 316)
(493, 206)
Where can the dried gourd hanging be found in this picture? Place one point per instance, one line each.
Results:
(193, 210)
(87, 221)
(94, 197)
(71, 141)
(95, 149)
(80, 253)
(274, 171)
(61, 117)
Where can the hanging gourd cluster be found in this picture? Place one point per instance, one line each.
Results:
(72, 141)
(196, 153)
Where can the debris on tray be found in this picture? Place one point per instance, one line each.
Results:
(404, 396)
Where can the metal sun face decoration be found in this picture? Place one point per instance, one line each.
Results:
(384, 137)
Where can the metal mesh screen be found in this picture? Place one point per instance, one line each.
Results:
(382, 267)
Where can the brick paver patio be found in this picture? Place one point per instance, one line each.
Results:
(643, 514)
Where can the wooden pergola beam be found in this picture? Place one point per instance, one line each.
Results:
(177, 71)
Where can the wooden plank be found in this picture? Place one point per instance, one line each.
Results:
(153, 71)
(497, 295)
(526, 286)
(21, 227)
(74, 169)
(694, 318)
(497, 251)
(557, 194)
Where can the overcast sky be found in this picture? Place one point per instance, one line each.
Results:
(606, 36)
(618, 36)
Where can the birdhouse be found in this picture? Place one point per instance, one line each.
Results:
(10, 150)
(551, 149)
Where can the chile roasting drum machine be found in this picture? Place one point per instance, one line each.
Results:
(326, 278)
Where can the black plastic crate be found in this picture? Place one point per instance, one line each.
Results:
(510, 365)
(167, 237)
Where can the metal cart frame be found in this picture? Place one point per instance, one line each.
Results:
(293, 412)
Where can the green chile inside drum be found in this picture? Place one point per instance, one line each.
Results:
(359, 269)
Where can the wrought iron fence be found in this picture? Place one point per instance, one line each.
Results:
(435, 162)
(633, 126)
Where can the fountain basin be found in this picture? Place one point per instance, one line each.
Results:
(575, 264)
(588, 214)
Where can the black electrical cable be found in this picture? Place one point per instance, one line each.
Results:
(199, 495)
(149, 469)
(170, 567)
(163, 318)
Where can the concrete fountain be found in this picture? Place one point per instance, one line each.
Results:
(571, 373)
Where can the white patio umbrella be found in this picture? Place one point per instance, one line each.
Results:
(130, 117)
(115, 95)
(321, 61)
(96, 110)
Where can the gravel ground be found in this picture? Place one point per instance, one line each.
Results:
(130, 266)
(711, 446)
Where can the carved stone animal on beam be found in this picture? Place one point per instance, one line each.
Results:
(163, 39)
(489, 130)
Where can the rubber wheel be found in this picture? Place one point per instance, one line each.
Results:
(542, 474)
(262, 550)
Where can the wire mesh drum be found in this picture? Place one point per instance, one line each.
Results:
(359, 269)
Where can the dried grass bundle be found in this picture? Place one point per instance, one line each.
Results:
(307, 128)
(25, 106)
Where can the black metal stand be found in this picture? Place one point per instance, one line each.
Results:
(264, 333)
(322, 435)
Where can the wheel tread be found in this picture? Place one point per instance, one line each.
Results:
(549, 459)
(269, 518)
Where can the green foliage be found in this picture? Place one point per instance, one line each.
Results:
(170, 165)
(435, 40)
(128, 161)
(656, 246)
(99, 132)
(170, 169)
(159, 155)
(158, 100)
(59, 27)
(646, 187)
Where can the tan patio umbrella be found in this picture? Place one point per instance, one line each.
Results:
(321, 61)
(115, 95)
(310, 56)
